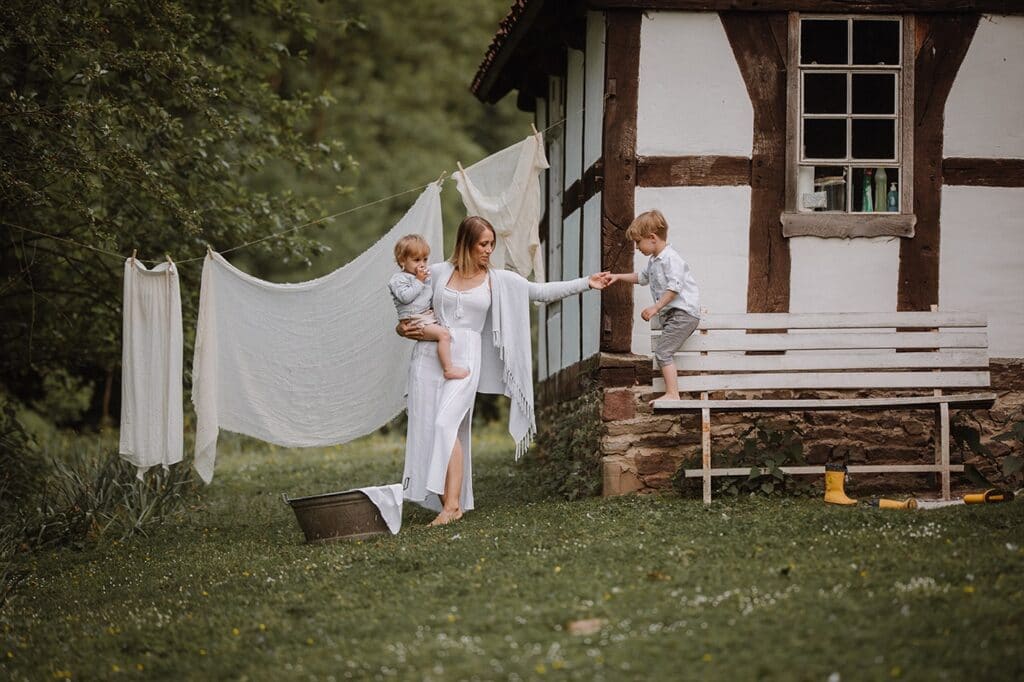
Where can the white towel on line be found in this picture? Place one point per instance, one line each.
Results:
(152, 426)
(309, 364)
(505, 189)
(388, 499)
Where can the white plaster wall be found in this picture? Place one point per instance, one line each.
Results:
(574, 117)
(710, 228)
(843, 275)
(540, 120)
(571, 305)
(985, 109)
(981, 261)
(591, 313)
(593, 114)
(692, 99)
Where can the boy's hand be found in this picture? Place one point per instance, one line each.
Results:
(421, 273)
(649, 312)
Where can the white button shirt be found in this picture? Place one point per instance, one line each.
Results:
(667, 271)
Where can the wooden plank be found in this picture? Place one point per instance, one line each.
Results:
(826, 404)
(942, 42)
(906, 186)
(842, 6)
(944, 444)
(692, 171)
(729, 341)
(792, 112)
(705, 450)
(983, 172)
(828, 380)
(760, 43)
(848, 225)
(904, 320)
(621, 89)
(720, 362)
(820, 469)
(581, 191)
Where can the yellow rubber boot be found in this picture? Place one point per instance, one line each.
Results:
(883, 503)
(835, 476)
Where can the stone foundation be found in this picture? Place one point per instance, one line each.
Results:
(641, 451)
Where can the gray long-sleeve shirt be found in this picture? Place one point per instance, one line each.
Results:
(411, 296)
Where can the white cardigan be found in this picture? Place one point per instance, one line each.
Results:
(506, 364)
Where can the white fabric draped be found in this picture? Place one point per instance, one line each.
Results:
(152, 426)
(309, 364)
(505, 189)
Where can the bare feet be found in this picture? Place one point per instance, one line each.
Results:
(456, 373)
(667, 396)
(447, 516)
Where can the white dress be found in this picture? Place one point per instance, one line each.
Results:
(449, 401)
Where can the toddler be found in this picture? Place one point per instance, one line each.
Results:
(676, 297)
(412, 292)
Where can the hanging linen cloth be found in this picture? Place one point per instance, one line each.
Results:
(309, 364)
(505, 189)
(152, 426)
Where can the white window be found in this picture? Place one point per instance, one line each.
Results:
(850, 95)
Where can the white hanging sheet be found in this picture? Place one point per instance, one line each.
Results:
(388, 500)
(152, 427)
(505, 189)
(309, 364)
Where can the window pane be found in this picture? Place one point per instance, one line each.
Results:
(822, 188)
(874, 139)
(876, 190)
(876, 41)
(874, 93)
(825, 93)
(825, 138)
(823, 41)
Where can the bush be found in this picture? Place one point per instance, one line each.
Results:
(22, 469)
(1006, 470)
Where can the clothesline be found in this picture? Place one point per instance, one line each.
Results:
(269, 236)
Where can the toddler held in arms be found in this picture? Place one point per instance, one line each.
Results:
(412, 292)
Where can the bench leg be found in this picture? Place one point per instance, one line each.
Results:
(705, 451)
(944, 447)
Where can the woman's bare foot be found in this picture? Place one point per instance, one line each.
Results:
(456, 373)
(665, 397)
(446, 516)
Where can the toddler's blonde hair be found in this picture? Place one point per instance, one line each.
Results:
(411, 246)
(646, 224)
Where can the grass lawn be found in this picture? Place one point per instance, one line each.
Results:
(751, 588)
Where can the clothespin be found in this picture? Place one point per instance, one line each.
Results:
(440, 178)
(134, 251)
(209, 251)
(534, 129)
(461, 169)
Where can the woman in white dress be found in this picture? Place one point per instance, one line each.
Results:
(488, 314)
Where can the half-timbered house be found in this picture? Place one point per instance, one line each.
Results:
(810, 156)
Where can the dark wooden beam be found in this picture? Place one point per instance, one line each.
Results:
(760, 44)
(942, 41)
(692, 171)
(983, 172)
(848, 6)
(582, 191)
(621, 88)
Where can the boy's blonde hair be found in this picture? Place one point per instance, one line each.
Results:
(646, 224)
(471, 231)
(411, 246)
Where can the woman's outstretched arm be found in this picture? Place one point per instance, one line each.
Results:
(552, 291)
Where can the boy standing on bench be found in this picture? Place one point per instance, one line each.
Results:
(675, 293)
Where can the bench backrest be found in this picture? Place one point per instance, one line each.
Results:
(756, 351)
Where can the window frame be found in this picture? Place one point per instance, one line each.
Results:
(797, 222)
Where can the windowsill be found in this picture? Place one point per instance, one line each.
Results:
(848, 225)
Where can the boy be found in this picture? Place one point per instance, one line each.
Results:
(676, 297)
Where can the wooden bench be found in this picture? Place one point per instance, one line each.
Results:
(926, 352)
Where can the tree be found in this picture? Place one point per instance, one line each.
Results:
(137, 126)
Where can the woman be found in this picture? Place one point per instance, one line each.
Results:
(488, 314)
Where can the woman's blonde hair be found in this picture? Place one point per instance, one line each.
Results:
(646, 224)
(471, 230)
(411, 246)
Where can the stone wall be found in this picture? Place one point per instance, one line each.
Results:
(643, 450)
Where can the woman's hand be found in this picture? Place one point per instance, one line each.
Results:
(409, 330)
(599, 280)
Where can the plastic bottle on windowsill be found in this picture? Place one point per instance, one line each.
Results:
(881, 182)
(867, 205)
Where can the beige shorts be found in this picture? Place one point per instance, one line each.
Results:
(423, 319)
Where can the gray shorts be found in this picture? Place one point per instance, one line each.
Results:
(676, 327)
